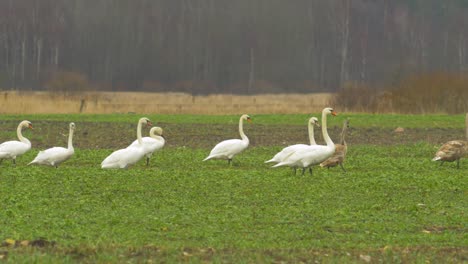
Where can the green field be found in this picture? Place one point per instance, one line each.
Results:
(393, 204)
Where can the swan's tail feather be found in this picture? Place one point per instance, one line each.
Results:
(270, 161)
(280, 164)
(207, 158)
(436, 158)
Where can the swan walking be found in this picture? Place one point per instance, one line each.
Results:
(56, 155)
(14, 148)
(152, 143)
(280, 156)
(227, 149)
(311, 155)
(453, 150)
(340, 151)
(123, 158)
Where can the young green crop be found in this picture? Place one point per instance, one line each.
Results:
(393, 204)
(390, 197)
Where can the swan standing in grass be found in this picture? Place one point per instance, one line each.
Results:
(340, 151)
(229, 148)
(453, 150)
(152, 143)
(14, 148)
(280, 156)
(311, 155)
(56, 155)
(123, 158)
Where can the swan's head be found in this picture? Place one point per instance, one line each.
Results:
(72, 126)
(246, 117)
(314, 121)
(329, 111)
(26, 124)
(145, 121)
(156, 131)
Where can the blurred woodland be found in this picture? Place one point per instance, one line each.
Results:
(238, 47)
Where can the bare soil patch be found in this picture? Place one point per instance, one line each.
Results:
(91, 135)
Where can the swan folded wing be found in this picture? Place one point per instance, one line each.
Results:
(53, 156)
(114, 158)
(451, 151)
(228, 148)
(133, 155)
(285, 152)
(123, 158)
(150, 145)
(307, 156)
(14, 148)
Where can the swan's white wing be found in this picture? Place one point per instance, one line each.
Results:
(53, 156)
(13, 148)
(285, 152)
(307, 156)
(150, 144)
(314, 154)
(133, 155)
(227, 149)
(123, 158)
(112, 161)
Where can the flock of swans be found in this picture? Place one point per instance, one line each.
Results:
(299, 156)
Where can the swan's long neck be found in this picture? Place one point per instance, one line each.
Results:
(157, 137)
(343, 134)
(20, 135)
(70, 139)
(241, 130)
(327, 138)
(311, 134)
(140, 141)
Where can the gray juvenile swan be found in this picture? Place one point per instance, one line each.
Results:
(453, 150)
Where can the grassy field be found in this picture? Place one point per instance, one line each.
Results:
(392, 205)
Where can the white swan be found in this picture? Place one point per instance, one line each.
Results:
(14, 148)
(312, 155)
(56, 155)
(152, 143)
(280, 156)
(453, 150)
(229, 148)
(123, 158)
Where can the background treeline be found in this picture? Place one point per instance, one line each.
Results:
(226, 46)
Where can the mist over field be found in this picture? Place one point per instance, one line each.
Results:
(224, 46)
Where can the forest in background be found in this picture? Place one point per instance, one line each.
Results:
(225, 46)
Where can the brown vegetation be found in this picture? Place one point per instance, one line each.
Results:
(418, 94)
(164, 103)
